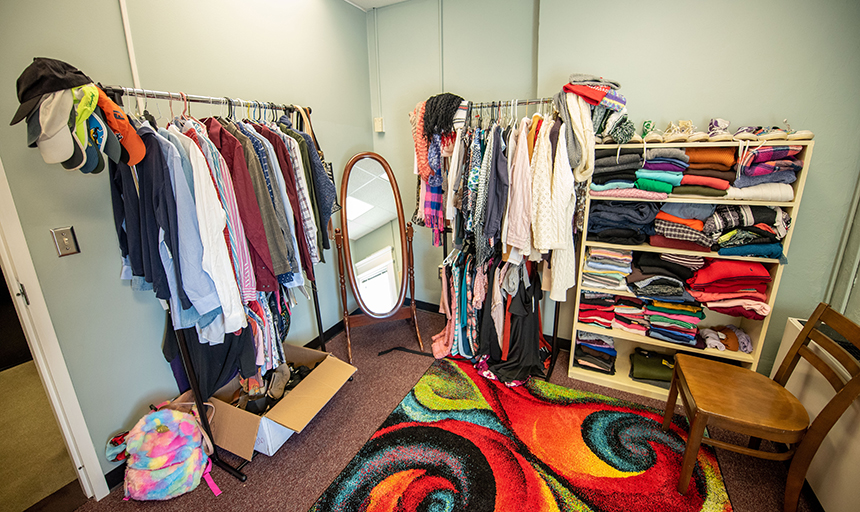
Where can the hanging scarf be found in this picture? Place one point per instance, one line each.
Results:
(417, 120)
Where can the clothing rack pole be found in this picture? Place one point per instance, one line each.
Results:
(116, 94)
(201, 407)
(535, 101)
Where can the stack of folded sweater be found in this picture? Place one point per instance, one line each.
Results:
(597, 309)
(606, 268)
(748, 230)
(615, 169)
(630, 315)
(681, 226)
(675, 323)
(621, 222)
(595, 352)
(735, 288)
(765, 173)
(710, 173)
(663, 170)
(658, 283)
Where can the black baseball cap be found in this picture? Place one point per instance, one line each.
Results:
(44, 76)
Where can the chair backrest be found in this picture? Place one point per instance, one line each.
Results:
(841, 370)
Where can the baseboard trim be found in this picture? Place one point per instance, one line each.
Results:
(337, 328)
(115, 476)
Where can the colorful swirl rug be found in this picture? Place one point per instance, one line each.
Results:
(459, 442)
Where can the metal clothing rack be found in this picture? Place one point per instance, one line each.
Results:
(116, 93)
(514, 104)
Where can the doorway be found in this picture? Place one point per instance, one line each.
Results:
(36, 462)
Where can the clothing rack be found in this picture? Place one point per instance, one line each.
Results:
(116, 93)
(514, 104)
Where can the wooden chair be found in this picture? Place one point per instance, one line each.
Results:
(741, 400)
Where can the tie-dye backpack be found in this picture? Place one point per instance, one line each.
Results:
(167, 456)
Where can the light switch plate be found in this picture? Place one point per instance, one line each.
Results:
(64, 239)
(378, 125)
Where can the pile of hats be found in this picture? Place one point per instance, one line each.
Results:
(597, 309)
(766, 172)
(72, 121)
(681, 226)
(630, 315)
(595, 352)
(675, 323)
(606, 268)
(662, 171)
(621, 222)
(607, 107)
(732, 287)
(749, 230)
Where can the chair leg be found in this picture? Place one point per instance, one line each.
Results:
(694, 440)
(794, 482)
(670, 403)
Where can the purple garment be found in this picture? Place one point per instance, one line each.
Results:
(661, 166)
(789, 164)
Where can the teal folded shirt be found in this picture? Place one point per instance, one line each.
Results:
(672, 178)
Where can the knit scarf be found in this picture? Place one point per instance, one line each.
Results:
(433, 198)
(417, 120)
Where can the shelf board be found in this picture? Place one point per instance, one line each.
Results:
(729, 144)
(645, 340)
(649, 248)
(698, 199)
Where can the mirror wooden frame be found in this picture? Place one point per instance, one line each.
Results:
(366, 316)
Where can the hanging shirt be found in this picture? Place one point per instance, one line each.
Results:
(543, 227)
(231, 150)
(312, 182)
(274, 237)
(240, 256)
(198, 285)
(306, 207)
(216, 259)
(564, 198)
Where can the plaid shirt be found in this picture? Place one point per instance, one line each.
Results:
(304, 196)
(767, 154)
(728, 217)
(682, 232)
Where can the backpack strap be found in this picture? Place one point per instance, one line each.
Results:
(208, 478)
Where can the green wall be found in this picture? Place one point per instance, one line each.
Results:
(753, 63)
(308, 52)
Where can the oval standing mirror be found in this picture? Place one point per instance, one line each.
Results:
(375, 245)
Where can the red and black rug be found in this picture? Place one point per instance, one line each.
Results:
(459, 442)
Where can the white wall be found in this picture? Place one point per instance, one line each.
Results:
(305, 52)
(749, 62)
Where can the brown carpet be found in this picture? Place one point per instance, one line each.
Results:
(293, 479)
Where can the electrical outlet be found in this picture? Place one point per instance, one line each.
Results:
(64, 239)
(377, 125)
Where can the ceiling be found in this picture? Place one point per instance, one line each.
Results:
(366, 5)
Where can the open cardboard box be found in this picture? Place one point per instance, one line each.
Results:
(241, 432)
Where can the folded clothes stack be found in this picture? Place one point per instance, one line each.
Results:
(658, 283)
(726, 337)
(681, 226)
(748, 230)
(630, 315)
(675, 323)
(766, 173)
(597, 309)
(651, 367)
(606, 268)
(735, 288)
(662, 171)
(621, 222)
(595, 352)
(710, 172)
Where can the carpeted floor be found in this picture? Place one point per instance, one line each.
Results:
(459, 441)
(35, 462)
(303, 468)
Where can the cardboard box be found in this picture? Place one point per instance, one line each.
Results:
(241, 432)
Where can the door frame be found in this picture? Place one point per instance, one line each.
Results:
(18, 269)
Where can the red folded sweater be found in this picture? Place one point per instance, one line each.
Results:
(705, 181)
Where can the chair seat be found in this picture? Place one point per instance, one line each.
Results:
(741, 397)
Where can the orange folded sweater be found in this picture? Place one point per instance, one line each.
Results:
(693, 223)
(724, 156)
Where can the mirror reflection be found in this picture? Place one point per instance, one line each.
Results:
(374, 235)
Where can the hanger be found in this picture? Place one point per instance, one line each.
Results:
(146, 114)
